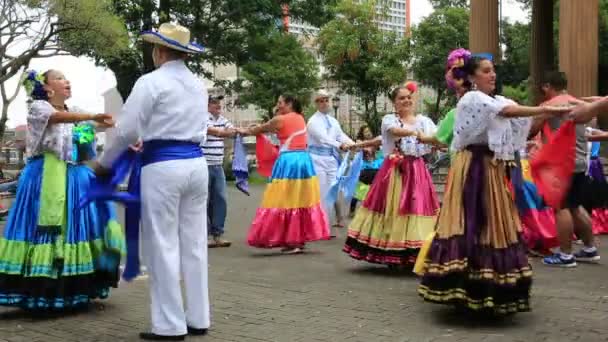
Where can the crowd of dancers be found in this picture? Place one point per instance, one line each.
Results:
(62, 245)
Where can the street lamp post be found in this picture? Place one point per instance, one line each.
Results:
(336, 104)
(353, 109)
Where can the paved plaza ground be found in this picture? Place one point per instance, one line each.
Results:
(260, 296)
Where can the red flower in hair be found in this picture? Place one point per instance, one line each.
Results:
(411, 86)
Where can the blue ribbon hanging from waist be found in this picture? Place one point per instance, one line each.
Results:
(129, 164)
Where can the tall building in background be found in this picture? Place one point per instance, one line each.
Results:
(397, 19)
(394, 16)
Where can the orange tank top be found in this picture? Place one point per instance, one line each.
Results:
(291, 123)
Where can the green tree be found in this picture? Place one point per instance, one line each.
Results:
(516, 39)
(365, 61)
(43, 28)
(433, 39)
(517, 93)
(515, 66)
(225, 28)
(279, 65)
(438, 4)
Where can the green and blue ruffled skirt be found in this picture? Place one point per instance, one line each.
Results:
(52, 254)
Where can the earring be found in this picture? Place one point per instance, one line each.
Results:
(474, 86)
(50, 93)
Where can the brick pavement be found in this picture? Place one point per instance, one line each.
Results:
(260, 296)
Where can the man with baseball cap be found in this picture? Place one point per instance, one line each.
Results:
(167, 111)
(325, 141)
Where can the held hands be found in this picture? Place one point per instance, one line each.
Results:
(104, 120)
(242, 131)
(346, 147)
(230, 132)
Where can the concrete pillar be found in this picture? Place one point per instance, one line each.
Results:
(578, 45)
(541, 43)
(483, 27)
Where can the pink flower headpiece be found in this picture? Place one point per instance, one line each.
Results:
(455, 74)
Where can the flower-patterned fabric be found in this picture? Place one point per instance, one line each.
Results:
(408, 145)
(478, 122)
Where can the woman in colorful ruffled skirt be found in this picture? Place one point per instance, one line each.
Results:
(52, 255)
(290, 214)
(538, 219)
(478, 258)
(400, 209)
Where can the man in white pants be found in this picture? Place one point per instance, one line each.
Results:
(325, 140)
(166, 109)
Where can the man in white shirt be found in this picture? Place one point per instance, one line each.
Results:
(325, 140)
(167, 111)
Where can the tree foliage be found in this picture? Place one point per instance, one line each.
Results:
(227, 29)
(433, 39)
(279, 65)
(366, 61)
(438, 4)
(515, 66)
(43, 28)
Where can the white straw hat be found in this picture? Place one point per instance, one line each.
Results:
(173, 36)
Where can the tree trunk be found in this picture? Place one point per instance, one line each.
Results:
(3, 120)
(435, 115)
(541, 46)
(164, 11)
(149, 8)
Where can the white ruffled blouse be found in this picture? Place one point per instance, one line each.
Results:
(42, 137)
(408, 145)
(478, 122)
(54, 138)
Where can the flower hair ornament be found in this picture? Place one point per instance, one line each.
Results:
(455, 74)
(411, 86)
(33, 82)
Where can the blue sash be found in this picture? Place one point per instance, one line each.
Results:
(325, 151)
(129, 164)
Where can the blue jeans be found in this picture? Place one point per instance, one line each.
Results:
(9, 186)
(216, 206)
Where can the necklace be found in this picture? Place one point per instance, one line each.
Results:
(59, 107)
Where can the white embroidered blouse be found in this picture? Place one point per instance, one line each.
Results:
(408, 145)
(42, 137)
(478, 122)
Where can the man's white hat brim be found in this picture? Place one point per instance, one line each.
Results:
(158, 39)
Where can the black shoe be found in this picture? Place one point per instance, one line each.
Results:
(196, 332)
(153, 337)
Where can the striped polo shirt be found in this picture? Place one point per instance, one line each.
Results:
(214, 146)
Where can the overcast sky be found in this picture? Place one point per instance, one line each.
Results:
(89, 81)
